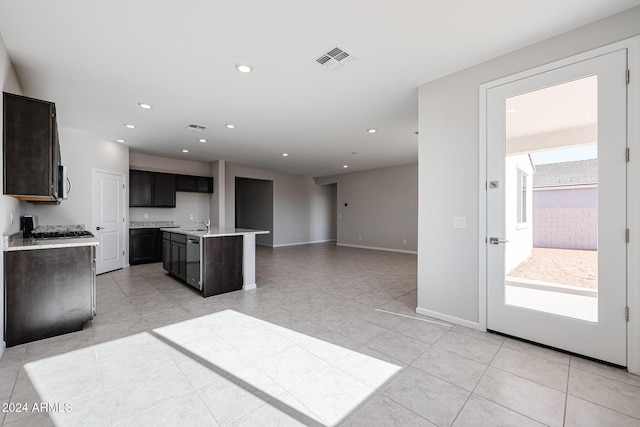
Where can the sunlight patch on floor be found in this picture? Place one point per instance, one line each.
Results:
(228, 365)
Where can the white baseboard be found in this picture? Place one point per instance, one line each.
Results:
(3, 347)
(249, 287)
(303, 243)
(402, 251)
(450, 319)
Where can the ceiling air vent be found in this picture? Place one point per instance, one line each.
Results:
(196, 127)
(335, 58)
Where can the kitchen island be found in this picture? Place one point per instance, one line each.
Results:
(213, 261)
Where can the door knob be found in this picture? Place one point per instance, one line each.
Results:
(495, 241)
(99, 228)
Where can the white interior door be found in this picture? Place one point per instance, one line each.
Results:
(542, 220)
(108, 219)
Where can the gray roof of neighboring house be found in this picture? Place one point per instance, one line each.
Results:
(580, 172)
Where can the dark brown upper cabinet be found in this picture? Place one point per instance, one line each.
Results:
(195, 184)
(164, 190)
(152, 189)
(140, 188)
(31, 149)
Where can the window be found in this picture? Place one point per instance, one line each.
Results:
(522, 197)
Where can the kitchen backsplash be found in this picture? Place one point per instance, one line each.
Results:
(187, 204)
(57, 228)
(151, 224)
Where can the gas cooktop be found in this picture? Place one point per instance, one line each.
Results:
(61, 234)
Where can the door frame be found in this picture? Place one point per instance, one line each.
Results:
(633, 192)
(125, 211)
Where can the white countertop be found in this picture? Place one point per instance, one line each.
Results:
(215, 232)
(17, 244)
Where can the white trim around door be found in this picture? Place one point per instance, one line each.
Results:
(109, 218)
(633, 195)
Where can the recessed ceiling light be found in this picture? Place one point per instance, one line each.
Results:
(202, 140)
(145, 106)
(511, 110)
(185, 151)
(129, 126)
(372, 130)
(120, 140)
(345, 166)
(230, 126)
(285, 154)
(244, 68)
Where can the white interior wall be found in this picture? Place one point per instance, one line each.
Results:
(8, 205)
(80, 152)
(448, 261)
(301, 209)
(382, 208)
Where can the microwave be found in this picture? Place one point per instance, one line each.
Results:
(64, 184)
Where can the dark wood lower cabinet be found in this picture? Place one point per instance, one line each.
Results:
(166, 252)
(221, 261)
(179, 260)
(222, 269)
(48, 292)
(144, 245)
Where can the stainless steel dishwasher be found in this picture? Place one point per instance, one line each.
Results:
(193, 262)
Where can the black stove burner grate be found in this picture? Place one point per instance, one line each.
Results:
(61, 234)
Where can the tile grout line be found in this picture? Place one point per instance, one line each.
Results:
(566, 394)
(473, 392)
(607, 377)
(400, 404)
(595, 403)
(104, 391)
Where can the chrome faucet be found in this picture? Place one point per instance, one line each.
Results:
(206, 224)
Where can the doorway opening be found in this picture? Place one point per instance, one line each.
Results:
(333, 215)
(254, 207)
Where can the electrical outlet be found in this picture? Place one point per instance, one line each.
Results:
(359, 237)
(459, 222)
(192, 217)
(404, 241)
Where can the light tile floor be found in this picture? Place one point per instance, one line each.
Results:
(315, 344)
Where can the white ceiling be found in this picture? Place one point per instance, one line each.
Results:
(97, 60)
(568, 105)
